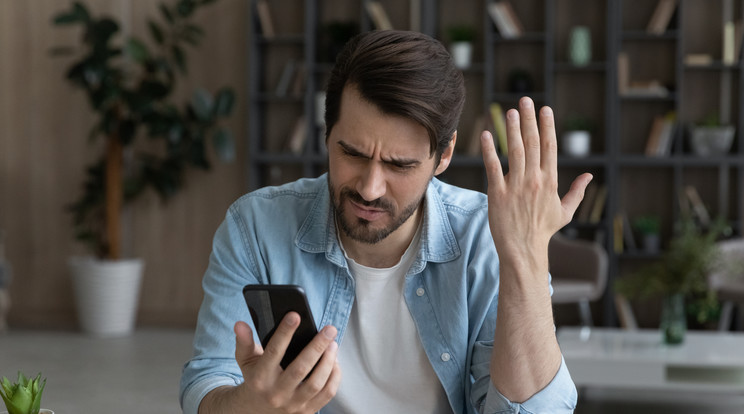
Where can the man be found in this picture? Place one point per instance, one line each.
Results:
(401, 270)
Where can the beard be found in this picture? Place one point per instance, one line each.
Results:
(361, 230)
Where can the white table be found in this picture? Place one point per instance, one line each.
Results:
(618, 359)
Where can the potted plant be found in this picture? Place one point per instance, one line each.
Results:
(577, 136)
(129, 86)
(709, 137)
(23, 396)
(461, 38)
(680, 277)
(648, 226)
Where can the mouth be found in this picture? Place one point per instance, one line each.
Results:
(366, 212)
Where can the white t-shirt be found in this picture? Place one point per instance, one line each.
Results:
(383, 364)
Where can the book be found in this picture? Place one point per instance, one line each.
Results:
(623, 73)
(298, 136)
(378, 15)
(511, 17)
(661, 17)
(499, 126)
(654, 135)
(666, 138)
(599, 203)
(697, 206)
(617, 234)
(698, 59)
(502, 20)
(473, 146)
(282, 86)
(628, 238)
(264, 18)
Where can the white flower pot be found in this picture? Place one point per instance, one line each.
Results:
(462, 54)
(707, 141)
(107, 294)
(576, 143)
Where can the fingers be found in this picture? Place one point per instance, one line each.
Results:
(246, 350)
(329, 390)
(530, 134)
(281, 338)
(548, 142)
(515, 154)
(494, 174)
(319, 381)
(571, 200)
(299, 369)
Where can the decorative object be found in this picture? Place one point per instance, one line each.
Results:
(577, 138)
(461, 37)
(580, 46)
(680, 275)
(711, 138)
(129, 84)
(673, 323)
(23, 396)
(648, 227)
(520, 81)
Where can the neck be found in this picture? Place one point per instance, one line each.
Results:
(387, 252)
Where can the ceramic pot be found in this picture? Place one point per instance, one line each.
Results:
(576, 143)
(708, 141)
(462, 54)
(580, 46)
(107, 294)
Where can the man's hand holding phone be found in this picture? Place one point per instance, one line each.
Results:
(306, 385)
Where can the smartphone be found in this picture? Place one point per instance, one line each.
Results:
(269, 303)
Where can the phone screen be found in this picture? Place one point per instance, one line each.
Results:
(268, 304)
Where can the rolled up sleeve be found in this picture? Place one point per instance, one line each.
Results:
(558, 397)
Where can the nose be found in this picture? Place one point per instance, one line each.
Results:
(371, 185)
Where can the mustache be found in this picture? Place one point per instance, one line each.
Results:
(357, 198)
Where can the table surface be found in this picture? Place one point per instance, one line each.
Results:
(706, 361)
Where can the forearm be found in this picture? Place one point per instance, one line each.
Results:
(221, 400)
(526, 355)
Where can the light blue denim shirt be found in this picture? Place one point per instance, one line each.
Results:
(287, 235)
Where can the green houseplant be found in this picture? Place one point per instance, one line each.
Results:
(577, 136)
(23, 396)
(710, 137)
(680, 277)
(648, 227)
(129, 84)
(461, 37)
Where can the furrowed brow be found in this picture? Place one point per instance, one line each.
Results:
(399, 161)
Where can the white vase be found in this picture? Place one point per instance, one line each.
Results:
(107, 294)
(709, 141)
(576, 143)
(462, 54)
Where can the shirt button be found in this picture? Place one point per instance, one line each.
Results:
(446, 356)
(420, 291)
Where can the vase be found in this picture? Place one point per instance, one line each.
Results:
(107, 294)
(673, 319)
(576, 143)
(462, 53)
(580, 46)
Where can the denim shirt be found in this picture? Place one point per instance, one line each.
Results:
(287, 235)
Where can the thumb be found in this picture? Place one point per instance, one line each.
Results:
(575, 194)
(246, 349)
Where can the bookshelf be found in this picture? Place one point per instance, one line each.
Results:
(620, 100)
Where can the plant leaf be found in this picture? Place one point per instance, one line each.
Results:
(137, 50)
(225, 102)
(224, 145)
(166, 13)
(203, 104)
(180, 58)
(156, 32)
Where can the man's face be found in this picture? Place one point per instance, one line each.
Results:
(379, 168)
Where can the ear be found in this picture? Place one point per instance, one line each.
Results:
(444, 162)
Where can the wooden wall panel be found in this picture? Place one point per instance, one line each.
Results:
(44, 149)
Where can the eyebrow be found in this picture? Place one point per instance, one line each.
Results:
(394, 160)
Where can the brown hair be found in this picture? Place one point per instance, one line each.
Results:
(403, 73)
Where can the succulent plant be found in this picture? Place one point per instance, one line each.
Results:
(23, 396)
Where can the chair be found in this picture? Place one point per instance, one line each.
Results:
(579, 273)
(728, 279)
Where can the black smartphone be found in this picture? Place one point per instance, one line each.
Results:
(269, 303)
